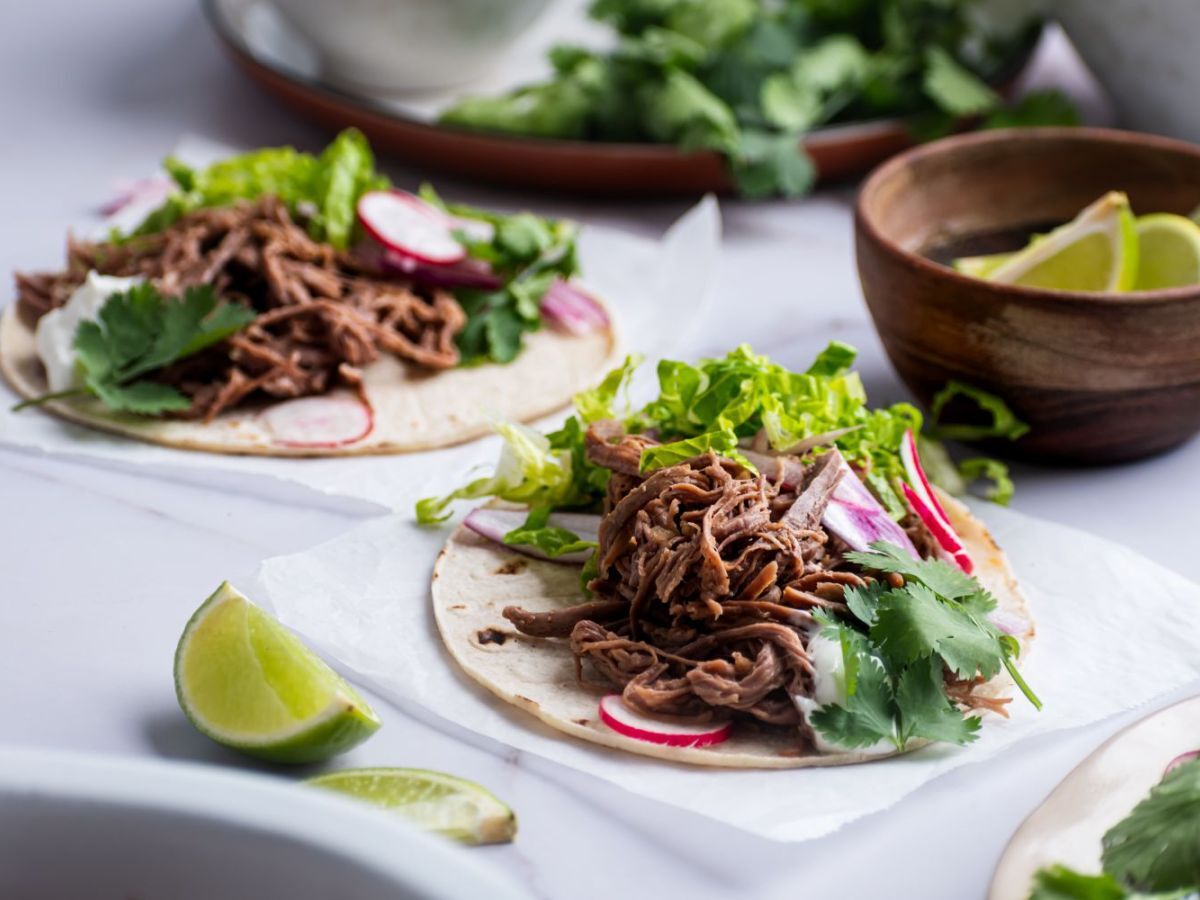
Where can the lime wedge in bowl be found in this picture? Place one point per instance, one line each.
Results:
(981, 266)
(250, 684)
(1169, 252)
(450, 806)
(1097, 251)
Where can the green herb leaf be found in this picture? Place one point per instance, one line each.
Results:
(954, 88)
(869, 714)
(550, 539)
(925, 713)
(1004, 422)
(1061, 883)
(913, 624)
(1036, 109)
(1157, 847)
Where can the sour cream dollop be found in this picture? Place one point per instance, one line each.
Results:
(829, 687)
(55, 334)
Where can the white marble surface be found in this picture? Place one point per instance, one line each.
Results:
(99, 568)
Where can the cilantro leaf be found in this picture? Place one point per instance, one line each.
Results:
(954, 88)
(138, 332)
(864, 601)
(869, 714)
(1061, 883)
(924, 710)
(1038, 108)
(1157, 847)
(913, 624)
(941, 577)
(765, 163)
(552, 540)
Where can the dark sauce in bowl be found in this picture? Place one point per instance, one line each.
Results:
(984, 243)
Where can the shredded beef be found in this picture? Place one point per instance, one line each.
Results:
(323, 315)
(708, 578)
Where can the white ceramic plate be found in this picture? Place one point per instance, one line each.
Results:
(85, 826)
(1099, 792)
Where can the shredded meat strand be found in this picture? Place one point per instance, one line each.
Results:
(323, 316)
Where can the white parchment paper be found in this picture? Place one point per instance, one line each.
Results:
(364, 599)
(651, 286)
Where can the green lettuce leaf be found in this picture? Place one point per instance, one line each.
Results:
(325, 188)
(550, 539)
(1004, 422)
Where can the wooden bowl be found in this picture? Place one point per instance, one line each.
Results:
(1099, 377)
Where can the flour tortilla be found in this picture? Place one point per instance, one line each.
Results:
(412, 410)
(474, 580)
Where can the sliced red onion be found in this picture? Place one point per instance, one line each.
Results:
(854, 515)
(494, 524)
(925, 504)
(568, 307)
(325, 421)
(147, 192)
(1009, 623)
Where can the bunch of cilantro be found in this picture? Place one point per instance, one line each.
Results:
(747, 78)
(898, 645)
(1151, 854)
(526, 252)
(137, 333)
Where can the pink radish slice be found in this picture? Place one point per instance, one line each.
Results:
(928, 507)
(566, 306)
(854, 515)
(494, 524)
(621, 719)
(1180, 760)
(941, 530)
(329, 420)
(410, 226)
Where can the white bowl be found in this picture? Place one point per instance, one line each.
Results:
(391, 46)
(1145, 54)
(86, 826)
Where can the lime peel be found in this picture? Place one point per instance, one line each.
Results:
(1096, 251)
(445, 804)
(1170, 252)
(250, 684)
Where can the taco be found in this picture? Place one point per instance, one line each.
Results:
(750, 571)
(283, 304)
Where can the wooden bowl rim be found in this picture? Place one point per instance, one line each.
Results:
(958, 143)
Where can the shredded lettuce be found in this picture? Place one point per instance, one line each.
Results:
(325, 188)
(1001, 487)
(711, 405)
(1004, 422)
(530, 470)
(552, 540)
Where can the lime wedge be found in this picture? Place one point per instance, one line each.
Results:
(450, 806)
(1097, 251)
(981, 266)
(1168, 252)
(250, 684)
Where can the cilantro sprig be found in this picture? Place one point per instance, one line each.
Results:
(898, 645)
(1151, 854)
(138, 332)
(527, 253)
(748, 78)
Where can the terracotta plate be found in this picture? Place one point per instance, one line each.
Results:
(1101, 791)
(261, 44)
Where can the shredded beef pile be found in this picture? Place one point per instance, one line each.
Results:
(323, 315)
(708, 578)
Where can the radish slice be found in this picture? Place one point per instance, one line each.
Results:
(408, 225)
(494, 524)
(925, 504)
(940, 529)
(621, 719)
(1179, 761)
(854, 515)
(329, 420)
(467, 273)
(566, 306)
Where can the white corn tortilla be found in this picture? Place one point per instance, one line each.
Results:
(474, 580)
(413, 410)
